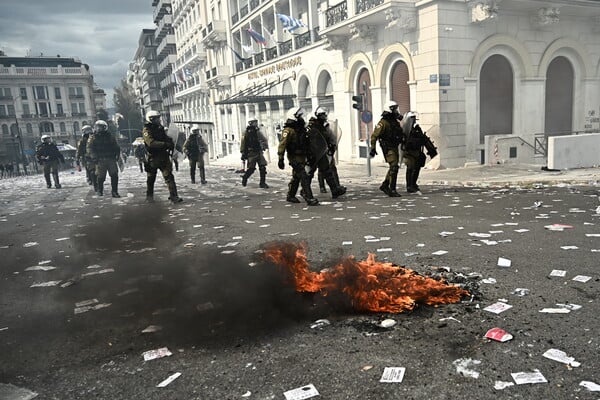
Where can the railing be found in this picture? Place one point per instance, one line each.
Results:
(285, 47)
(248, 63)
(239, 66)
(259, 58)
(303, 40)
(540, 145)
(364, 5)
(336, 14)
(271, 53)
(76, 96)
(9, 97)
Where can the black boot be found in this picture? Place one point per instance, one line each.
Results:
(173, 190)
(202, 176)
(56, 181)
(321, 179)
(100, 188)
(409, 182)
(150, 188)
(114, 183)
(193, 176)
(393, 179)
(336, 190)
(48, 182)
(307, 193)
(292, 190)
(385, 188)
(415, 177)
(247, 175)
(263, 178)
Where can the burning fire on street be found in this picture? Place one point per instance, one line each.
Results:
(368, 285)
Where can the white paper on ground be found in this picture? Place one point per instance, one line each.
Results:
(40, 268)
(392, 375)
(582, 278)
(169, 379)
(504, 262)
(561, 357)
(152, 328)
(522, 378)
(158, 353)
(500, 385)
(555, 310)
(301, 393)
(464, 365)
(439, 252)
(45, 284)
(498, 307)
(558, 272)
(591, 386)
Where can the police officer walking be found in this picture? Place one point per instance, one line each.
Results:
(412, 148)
(390, 135)
(194, 148)
(140, 154)
(252, 146)
(48, 155)
(81, 158)
(159, 147)
(322, 147)
(294, 141)
(104, 150)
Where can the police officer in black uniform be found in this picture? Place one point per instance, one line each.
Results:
(159, 147)
(252, 146)
(48, 155)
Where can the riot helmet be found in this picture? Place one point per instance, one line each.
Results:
(100, 126)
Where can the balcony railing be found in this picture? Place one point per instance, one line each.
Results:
(303, 40)
(285, 47)
(259, 58)
(364, 5)
(76, 96)
(271, 53)
(336, 14)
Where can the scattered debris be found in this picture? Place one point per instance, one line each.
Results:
(392, 375)
(152, 328)
(464, 365)
(504, 262)
(40, 268)
(521, 291)
(561, 356)
(320, 323)
(522, 378)
(500, 385)
(499, 335)
(582, 278)
(558, 272)
(301, 393)
(45, 284)
(497, 307)
(158, 353)
(80, 310)
(558, 227)
(387, 323)
(591, 386)
(169, 380)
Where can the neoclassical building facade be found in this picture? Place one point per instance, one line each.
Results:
(491, 80)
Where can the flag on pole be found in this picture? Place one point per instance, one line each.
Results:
(258, 38)
(179, 77)
(237, 55)
(290, 23)
(248, 50)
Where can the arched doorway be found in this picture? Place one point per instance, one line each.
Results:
(325, 91)
(496, 97)
(559, 97)
(399, 90)
(304, 94)
(363, 86)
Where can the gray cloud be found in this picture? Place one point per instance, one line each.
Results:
(103, 34)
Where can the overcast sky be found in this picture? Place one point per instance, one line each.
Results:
(103, 34)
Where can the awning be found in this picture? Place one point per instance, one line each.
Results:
(254, 94)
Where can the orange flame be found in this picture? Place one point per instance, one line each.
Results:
(369, 285)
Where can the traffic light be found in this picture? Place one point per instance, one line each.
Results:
(358, 102)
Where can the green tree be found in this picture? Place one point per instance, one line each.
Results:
(126, 105)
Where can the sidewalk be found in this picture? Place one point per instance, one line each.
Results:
(477, 175)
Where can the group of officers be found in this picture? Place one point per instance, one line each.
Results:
(310, 148)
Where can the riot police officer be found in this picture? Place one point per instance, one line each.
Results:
(252, 146)
(104, 150)
(194, 148)
(81, 158)
(159, 147)
(412, 151)
(294, 142)
(48, 155)
(322, 148)
(390, 135)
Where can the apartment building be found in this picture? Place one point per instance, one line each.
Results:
(42, 95)
(143, 76)
(490, 79)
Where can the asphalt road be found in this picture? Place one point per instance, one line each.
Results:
(236, 330)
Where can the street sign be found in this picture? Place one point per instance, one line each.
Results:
(366, 116)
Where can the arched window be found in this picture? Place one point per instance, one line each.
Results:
(29, 128)
(363, 86)
(46, 127)
(14, 129)
(75, 126)
(559, 97)
(399, 91)
(5, 129)
(496, 97)
(63, 127)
